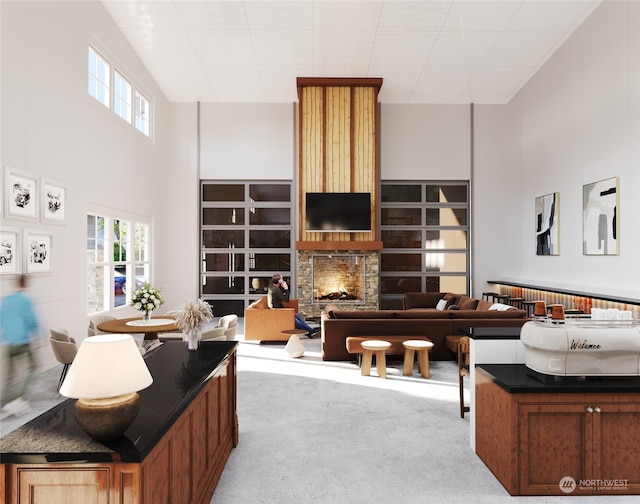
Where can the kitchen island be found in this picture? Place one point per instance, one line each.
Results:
(174, 451)
(546, 435)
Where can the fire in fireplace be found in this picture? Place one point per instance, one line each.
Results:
(338, 278)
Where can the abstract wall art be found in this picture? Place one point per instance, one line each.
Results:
(547, 224)
(601, 220)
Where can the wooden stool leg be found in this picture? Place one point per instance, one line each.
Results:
(407, 370)
(366, 362)
(381, 363)
(423, 363)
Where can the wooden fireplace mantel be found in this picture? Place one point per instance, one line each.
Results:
(339, 245)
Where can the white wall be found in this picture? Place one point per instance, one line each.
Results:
(576, 122)
(52, 128)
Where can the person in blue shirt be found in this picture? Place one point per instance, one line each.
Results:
(278, 292)
(18, 326)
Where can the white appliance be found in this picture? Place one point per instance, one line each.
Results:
(582, 347)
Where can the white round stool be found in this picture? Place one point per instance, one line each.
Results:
(421, 347)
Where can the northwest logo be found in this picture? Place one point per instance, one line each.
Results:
(567, 484)
(583, 345)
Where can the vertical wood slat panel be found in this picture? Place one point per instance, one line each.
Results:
(338, 148)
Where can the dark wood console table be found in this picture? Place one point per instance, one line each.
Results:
(174, 451)
(542, 436)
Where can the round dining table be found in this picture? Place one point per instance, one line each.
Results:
(136, 325)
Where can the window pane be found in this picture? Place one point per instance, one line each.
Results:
(142, 113)
(270, 239)
(456, 284)
(270, 192)
(120, 240)
(449, 262)
(401, 193)
(446, 194)
(402, 239)
(227, 307)
(222, 216)
(399, 285)
(270, 262)
(270, 216)
(99, 78)
(223, 285)
(142, 242)
(96, 293)
(401, 217)
(259, 285)
(222, 239)
(223, 192)
(446, 239)
(223, 262)
(119, 286)
(121, 97)
(446, 217)
(401, 262)
(141, 275)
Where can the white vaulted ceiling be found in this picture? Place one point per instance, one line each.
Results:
(449, 51)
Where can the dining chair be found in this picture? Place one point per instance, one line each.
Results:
(94, 320)
(65, 350)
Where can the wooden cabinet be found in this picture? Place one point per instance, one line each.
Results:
(559, 443)
(183, 466)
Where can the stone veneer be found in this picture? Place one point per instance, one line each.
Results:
(308, 309)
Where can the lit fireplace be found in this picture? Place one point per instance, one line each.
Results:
(346, 278)
(338, 278)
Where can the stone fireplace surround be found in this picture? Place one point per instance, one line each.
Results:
(368, 298)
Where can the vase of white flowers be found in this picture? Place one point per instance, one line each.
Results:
(146, 299)
(190, 318)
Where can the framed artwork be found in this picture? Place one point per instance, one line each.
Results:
(601, 225)
(10, 258)
(38, 251)
(53, 201)
(21, 195)
(547, 224)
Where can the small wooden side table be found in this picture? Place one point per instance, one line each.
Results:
(294, 346)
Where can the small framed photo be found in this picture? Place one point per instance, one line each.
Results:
(10, 258)
(38, 248)
(53, 201)
(21, 195)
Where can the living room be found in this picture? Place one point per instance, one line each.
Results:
(576, 121)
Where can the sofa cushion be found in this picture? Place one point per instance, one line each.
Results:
(487, 314)
(484, 305)
(362, 314)
(467, 303)
(417, 313)
(421, 299)
(451, 298)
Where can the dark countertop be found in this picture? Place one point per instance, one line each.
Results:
(178, 377)
(518, 378)
(492, 333)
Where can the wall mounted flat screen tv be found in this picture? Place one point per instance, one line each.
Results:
(338, 212)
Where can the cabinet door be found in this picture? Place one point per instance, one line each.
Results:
(62, 486)
(617, 435)
(552, 440)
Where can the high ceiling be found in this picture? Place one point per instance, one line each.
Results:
(449, 51)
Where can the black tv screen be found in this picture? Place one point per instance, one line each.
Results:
(338, 212)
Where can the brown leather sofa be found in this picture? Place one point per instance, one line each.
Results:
(420, 318)
(264, 324)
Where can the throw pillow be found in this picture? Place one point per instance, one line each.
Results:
(453, 307)
(451, 298)
(442, 304)
(467, 303)
(484, 305)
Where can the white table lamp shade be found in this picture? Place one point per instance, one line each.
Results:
(107, 365)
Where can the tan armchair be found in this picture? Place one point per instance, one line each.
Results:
(264, 324)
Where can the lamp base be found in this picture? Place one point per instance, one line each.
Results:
(107, 419)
